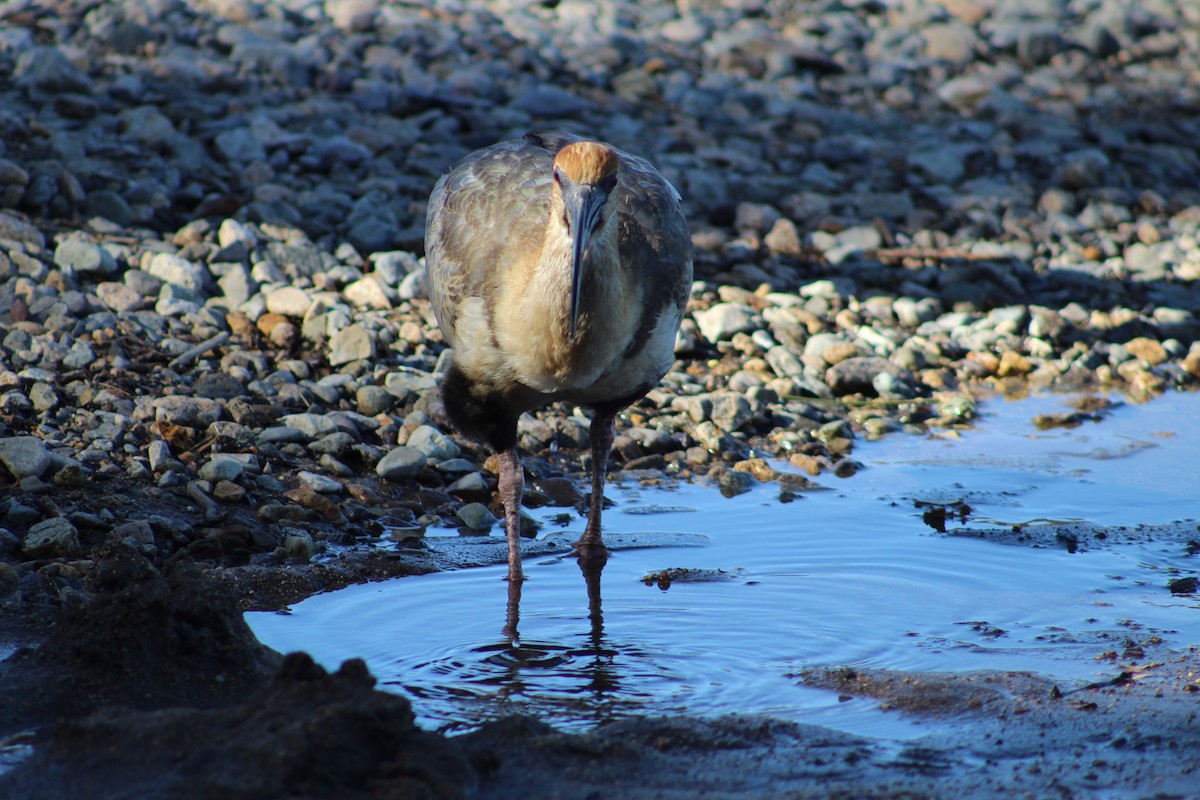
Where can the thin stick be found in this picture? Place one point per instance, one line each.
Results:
(212, 512)
(183, 359)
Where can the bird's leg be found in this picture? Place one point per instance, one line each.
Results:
(590, 548)
(512, 616)
(512, 485)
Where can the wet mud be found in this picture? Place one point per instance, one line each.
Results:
(156, 687)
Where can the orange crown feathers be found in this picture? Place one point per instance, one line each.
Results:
(587, 162)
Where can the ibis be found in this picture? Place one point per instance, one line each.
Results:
(559, 270)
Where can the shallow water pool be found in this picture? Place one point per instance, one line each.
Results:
(851, 575)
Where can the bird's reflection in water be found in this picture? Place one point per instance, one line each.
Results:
(583, 676)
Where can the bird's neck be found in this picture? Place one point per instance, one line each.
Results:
(549, 282)
(536, 311)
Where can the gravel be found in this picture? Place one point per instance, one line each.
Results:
(212, 305)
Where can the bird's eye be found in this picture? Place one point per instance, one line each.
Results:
(557, 177)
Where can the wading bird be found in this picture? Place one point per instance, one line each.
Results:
(559, 269)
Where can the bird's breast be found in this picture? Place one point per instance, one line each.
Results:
(532, 323)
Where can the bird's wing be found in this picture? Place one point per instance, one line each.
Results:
(654, 240)
(484, 217)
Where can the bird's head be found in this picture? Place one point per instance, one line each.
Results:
(585, 174)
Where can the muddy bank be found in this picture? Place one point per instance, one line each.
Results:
(156, 688)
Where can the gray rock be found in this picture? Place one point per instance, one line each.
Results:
(455, 466)
(698, 407)
(240, 146)
(857, 375)
(236, 285)
(283, 434)
(1082, 169)
(222, 468)
(290, 301)
(320, 483)
(234, 232)
(403, 381)
(470, 486)
(334, 444)
(368, 293)
(24, 456)
(196, 412)
(784, 362)
(941, 165)
(352, 343)
(1038, 43)
(80, 355)
(110, 206)
(733, 482)
(299, 545)
(47, 69)
(145, 284)
(83, 255)
(173, 269)
(373, 400)
(966, 92)
(551, 101)
(401, 463)
(730, 411)
(477, 517)
(313, 426)
(392, 266)
(889, 386)
(52, 538)
(159, 453)
(436, 445)
(353, 15)
(784, 239)
(119, 297)
(723, 320)
(912, 313)
(44, 397)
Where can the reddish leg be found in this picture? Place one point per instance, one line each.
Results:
(512, 485)
(590, 548)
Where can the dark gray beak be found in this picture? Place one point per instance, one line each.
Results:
(584, 205)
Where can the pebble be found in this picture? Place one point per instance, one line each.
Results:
(222, 468)
(177, 271)
(311, 425)
(939, 214)
(476, 516)
(289, 301)
(353, 343)
(24, 456)
(373, 400)
(320, 483)
(470, 486)
(434, 444)
(723, 320)
(401, 463)
(51, 538)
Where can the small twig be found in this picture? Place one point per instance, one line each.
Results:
(934, 254)
(183, 359)
(1121, 679)
(112, 237)
(212, 512)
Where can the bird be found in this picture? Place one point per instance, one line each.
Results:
(559, 269)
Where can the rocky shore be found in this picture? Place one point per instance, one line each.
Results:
(215, 345)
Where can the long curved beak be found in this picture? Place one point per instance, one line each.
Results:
(583, 206)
